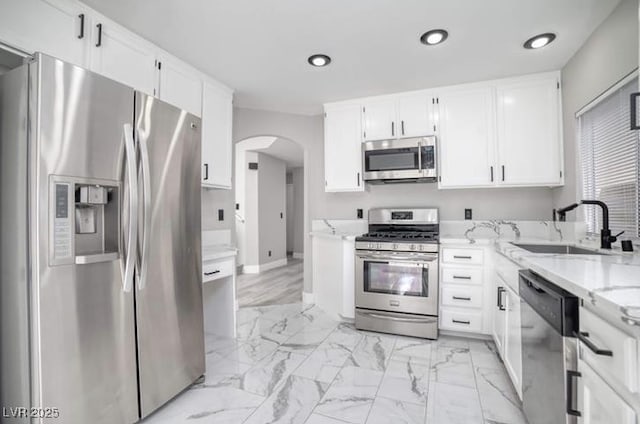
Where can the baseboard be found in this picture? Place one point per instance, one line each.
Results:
(257, 269)
(308, 298)
(298, 255)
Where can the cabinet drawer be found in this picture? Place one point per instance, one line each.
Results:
(598, 402)
(216, 270)
(462, 256)
(462, 275)
(469, 321)
(622, 363)
(462, 296)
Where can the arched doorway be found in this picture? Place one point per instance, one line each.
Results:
(270, 202)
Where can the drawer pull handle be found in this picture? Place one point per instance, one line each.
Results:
(571, 376)
(461, 257)
(462, 277)
(583, 336)
(461, 322)
(500, 305)
(217, 271)
(461, 298)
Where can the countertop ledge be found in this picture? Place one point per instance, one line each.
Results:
(337, 234)
(214, 252)
(610, 281)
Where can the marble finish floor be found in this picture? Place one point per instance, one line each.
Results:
(279, 286)
(293, 364)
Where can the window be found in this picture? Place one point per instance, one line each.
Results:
(610, 161)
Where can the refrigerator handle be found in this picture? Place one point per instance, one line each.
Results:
(127, 273)
(146, 211)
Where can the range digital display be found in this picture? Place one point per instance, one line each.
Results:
(402, 215)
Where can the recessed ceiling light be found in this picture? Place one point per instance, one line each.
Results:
(319, 60)
(433, 37)
(539, 41)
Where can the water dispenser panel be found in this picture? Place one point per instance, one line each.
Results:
(62, 234)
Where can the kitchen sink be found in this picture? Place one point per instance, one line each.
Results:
(556, 248)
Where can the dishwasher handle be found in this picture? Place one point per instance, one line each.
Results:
(571, 376)
(583, 336)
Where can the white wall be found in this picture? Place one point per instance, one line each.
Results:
(609, 54)
(271, 209)
(298, 209)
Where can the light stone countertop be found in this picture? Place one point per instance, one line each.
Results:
(610, 281)
(338, 234)
(218, 251)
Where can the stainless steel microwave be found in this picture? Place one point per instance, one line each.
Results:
(398, 161)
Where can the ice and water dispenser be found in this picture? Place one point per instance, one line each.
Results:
(84, 221)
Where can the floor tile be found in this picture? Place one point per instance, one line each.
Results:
(208, 405)
(351, 395)
(499, 400)
(324, 363)
(373, 352)
(451, 404)
(264, 376)
(291, 403)
(453, 366)
(321, 419)
(253, 350)
(418, 350)
(388, 411)
(223, 372)
(452, 341)
(307, 339)
(406, 381)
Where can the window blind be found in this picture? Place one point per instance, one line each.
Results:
(610, 161)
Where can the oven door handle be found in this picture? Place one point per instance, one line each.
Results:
(393, 258)
(394, 318)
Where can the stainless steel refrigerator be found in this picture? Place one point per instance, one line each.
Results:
(101, 295)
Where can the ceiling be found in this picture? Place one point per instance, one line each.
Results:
(260, 47)
(284, 149)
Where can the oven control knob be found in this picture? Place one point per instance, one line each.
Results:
(379, 245)
(395, 246)
(412, 247)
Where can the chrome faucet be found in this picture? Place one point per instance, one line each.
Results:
(605, 233)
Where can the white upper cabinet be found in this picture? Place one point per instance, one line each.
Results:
(55, 27)
(343, 148)
(529, 131)
(415, 115)
(180, 86)
(466, 137)
(122, 56)
(379, 119)
(217, 122)
(406, 115)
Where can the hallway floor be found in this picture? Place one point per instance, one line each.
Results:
(279, 286)
(292, 364)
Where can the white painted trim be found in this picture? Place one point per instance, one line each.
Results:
(298, 255)
(615, 87)
(308, 298)
(257, 269)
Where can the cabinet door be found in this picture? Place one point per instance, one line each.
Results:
(466, 138)
(529, 139)
(415, 115)
(119, 55)
(499, 317)
(217, 123)
(343, 149)
(513, 340)
(379, 120)
(180, 86)
(598, 403)
(58, 28)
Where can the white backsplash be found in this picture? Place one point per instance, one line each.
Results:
(513, 230)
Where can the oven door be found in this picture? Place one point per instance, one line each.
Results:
(397, 281)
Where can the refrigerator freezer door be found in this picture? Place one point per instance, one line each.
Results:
(169, 299)
(83, 332)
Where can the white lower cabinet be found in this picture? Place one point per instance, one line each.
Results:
(512, 355)
(598, 403)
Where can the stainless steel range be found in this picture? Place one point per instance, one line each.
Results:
(397, 273)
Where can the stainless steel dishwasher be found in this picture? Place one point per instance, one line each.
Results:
(549, 319)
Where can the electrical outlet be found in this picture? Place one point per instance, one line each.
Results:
(237, 206)
(359, 213)
(269, 253)
(220, 214)
(468, 214)
(281, 215)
